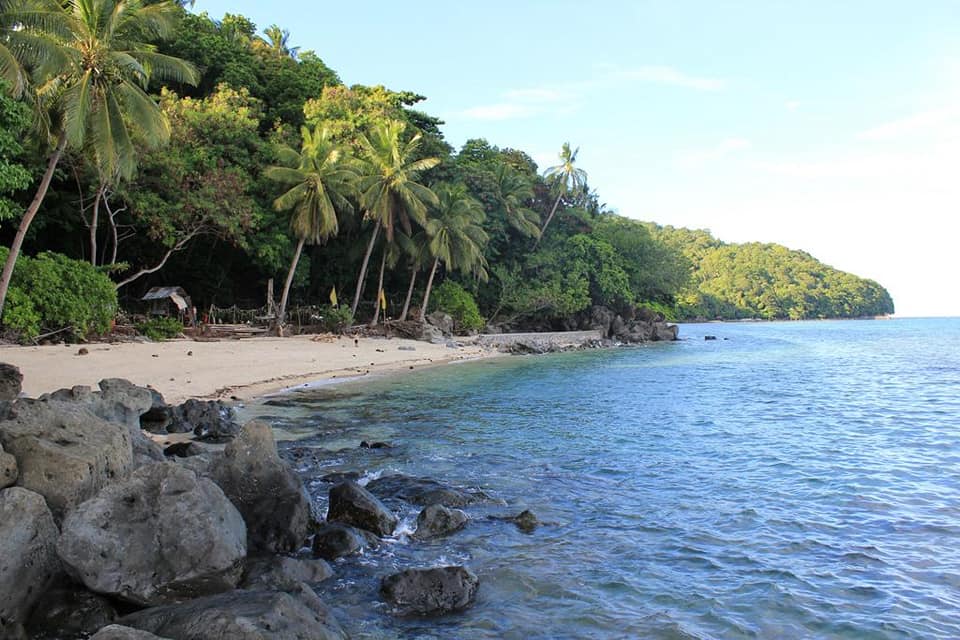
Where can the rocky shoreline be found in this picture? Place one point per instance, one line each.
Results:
(106, 534)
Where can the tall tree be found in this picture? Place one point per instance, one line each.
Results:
(320, 180)
(389, 192)
(566, 178)
(456, 235)
(25, 42)
(94, 89)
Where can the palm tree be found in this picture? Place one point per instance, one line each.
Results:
(24, 39)
(278, 41)
(417, 248)
(513, 192)
(320, 178)
(567, 178)
(389, 192)
(94, 90)
(456, 237)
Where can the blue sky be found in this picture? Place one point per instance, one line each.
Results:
(832, 127)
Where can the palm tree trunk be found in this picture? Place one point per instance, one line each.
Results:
(406, 303)
(383, 265)
(363, 271)
(543, 229)
(426, 295)
(28, 218)
(286, 285)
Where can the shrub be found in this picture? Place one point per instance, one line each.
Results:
(335, 319)
(52, 292)
(451, 298)
(159, 329)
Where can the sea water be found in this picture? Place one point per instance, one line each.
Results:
(785, 480)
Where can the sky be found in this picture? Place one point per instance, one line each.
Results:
(831, 127)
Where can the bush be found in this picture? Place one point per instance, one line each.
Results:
(52, 292)
(335, 319)
(451, 298)
(159, 329)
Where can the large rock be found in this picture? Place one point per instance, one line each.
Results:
(11, 382)
(422, 491)
(8, 469)
(430, 591)
(119, 632)
(160, 536)
(118, 401)
(268, 493)
(70, 611)
(210, 420)
(437, 520)
(243, 615)
(64, 452)
(28, 555)
(158, 416)
(352, 504)
(284, 572)
(335, 540)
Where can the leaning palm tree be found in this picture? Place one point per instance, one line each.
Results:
(566, 178)
(389, 192)
(320, 179)
(513, 193)
(456, 236)
(94, 90)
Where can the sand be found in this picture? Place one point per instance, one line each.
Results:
(228, 369)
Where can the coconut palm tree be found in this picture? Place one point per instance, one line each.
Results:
(513, 192)
(389, 192)
(25, 42)
(320, 179)
(456, 236)
(93, 89)
(278, 41)
(566, 178)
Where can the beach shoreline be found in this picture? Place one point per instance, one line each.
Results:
(237, 370)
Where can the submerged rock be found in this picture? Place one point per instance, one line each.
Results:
(437, 520)
(430, 591)
(526, 520)
(269, 494)
(422, 491)
(64, 452)
(335, 540)
(352, 504)
(160, 536)
(296, 614)
(28, 555)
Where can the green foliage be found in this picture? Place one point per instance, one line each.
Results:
(14, 122)
(335, 319)
(453, 299)
(52, 292)
(160, 329)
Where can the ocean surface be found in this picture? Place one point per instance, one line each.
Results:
(786, 480)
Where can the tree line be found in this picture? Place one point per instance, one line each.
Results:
(161, 146)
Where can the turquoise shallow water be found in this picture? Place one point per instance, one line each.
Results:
(788, 480)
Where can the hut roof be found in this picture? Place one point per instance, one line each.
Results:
(176, 295)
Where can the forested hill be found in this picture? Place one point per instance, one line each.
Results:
(766, 281)
(248, 160)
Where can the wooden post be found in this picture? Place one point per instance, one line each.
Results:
(270, 302)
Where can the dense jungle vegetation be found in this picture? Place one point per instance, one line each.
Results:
(162, 147)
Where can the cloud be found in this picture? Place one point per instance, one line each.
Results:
(943, 122)
(792, 105)
(501, 111)
(538, 94)
(672, 77)
(699, 157)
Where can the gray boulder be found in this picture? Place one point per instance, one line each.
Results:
(28, 555)
(158, 416)
(442, 321)
(11, 382)
(268, 493)
(352, 504)
(210, 420)
(119, 632)
(70, 611)
(160, 536)
(64, 452)
(119, 401)
(430, 591)
(284, 572)
(437, 520)
(244, 615)
(8, 469)
(335, 540)
(422, 491)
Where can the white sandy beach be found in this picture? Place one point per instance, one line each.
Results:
(244, 369)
